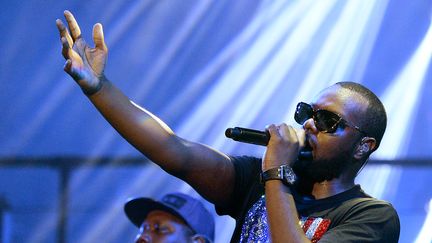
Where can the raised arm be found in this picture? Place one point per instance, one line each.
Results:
(210, 172)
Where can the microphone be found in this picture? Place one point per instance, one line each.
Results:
(246, 135)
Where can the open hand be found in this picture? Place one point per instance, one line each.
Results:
(83, 63)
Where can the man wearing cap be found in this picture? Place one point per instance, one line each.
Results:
(177, 217)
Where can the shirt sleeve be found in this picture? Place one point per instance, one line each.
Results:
(366, 221)
(247, 171)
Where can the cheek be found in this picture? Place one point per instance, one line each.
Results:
(172, 238)
(330, 147)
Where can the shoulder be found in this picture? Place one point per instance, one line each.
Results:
(368, 209)
(364, 220)
(376, 217)
(370, 204)
(364, 204)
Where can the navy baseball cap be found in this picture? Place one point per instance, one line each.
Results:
(191, 210)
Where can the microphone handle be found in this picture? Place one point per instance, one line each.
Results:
(247, 135)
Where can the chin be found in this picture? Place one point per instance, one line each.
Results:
(319, 170)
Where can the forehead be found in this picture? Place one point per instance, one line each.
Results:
(342, 101)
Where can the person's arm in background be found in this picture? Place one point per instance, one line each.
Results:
(210, 172)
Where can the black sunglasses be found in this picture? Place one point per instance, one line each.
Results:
(325, 121)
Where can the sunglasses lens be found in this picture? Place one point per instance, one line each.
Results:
(303, 113)
(326, 121)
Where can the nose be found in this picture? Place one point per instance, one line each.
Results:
(309, 126)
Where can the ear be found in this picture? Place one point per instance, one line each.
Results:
(198, 239)
(366, 146)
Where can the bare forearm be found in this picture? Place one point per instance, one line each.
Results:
(139, 127)
(211, 173)
(282, 214)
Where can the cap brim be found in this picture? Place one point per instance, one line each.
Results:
(138, 209)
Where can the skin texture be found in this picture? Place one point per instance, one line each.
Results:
(211, 172)
(163, 227)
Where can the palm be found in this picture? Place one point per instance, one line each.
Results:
(88, 61)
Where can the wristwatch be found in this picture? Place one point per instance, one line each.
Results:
(284, 173)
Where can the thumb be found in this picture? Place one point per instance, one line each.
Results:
(69, 68)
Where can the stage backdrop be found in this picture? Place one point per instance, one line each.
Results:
(202, 66)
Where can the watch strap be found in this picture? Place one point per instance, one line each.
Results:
(284, 173)
(272, 174)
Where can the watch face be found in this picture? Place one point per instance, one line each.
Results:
(289, 175)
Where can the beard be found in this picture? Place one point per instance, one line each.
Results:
(320, 170)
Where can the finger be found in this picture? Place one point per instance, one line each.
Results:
(65, 48)
(273, 130)
(284, 130)
(64, 32)
(74, 29)
(98, 37)
(301, 135)
(291, 133)
(287, 133)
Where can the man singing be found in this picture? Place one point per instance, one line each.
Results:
(277, 198)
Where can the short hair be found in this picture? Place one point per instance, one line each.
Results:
(374, 120)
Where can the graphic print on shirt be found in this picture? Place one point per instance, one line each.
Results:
(314, 228)
(255, 226)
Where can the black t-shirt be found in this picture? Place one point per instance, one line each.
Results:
(351, 216)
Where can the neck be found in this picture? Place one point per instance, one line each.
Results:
(330, 188)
